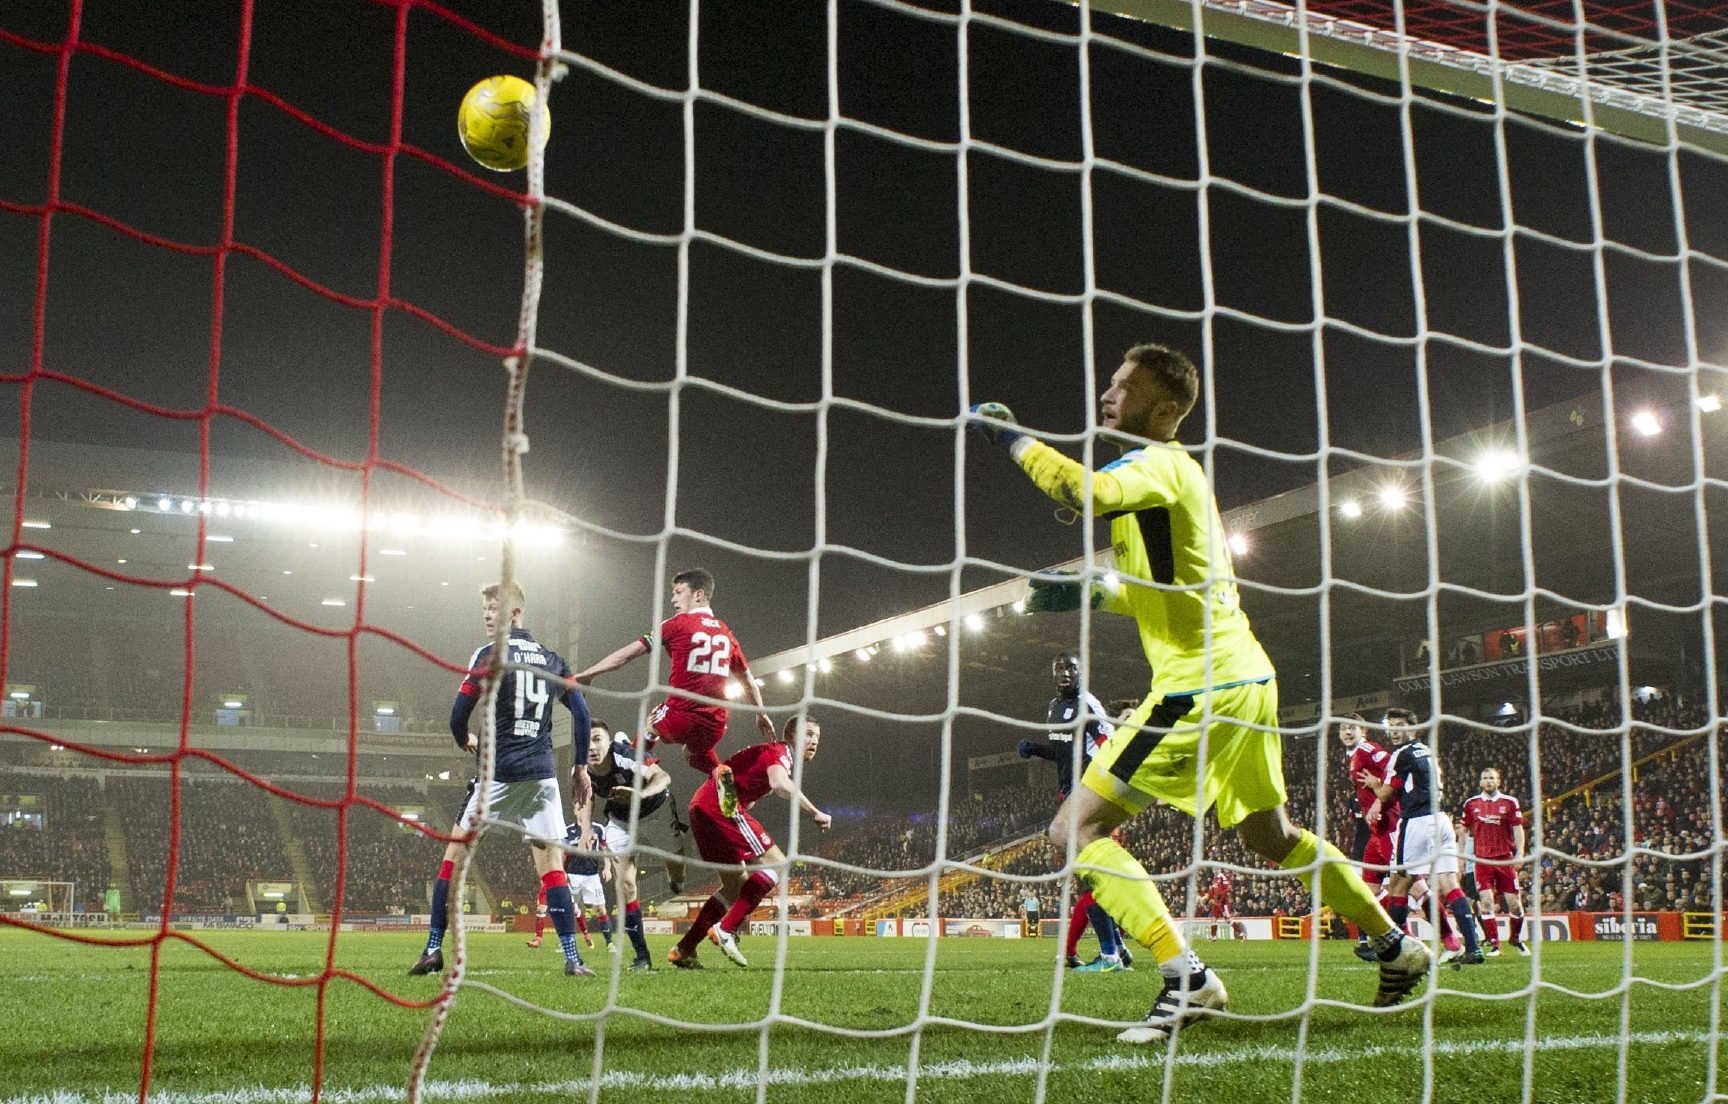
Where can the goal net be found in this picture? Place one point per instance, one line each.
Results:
(295, 378)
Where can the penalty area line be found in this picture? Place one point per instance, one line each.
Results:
(958, 1069)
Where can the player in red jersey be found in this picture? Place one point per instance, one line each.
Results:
(1495, 826)
(1218, 897)
(704, 657)
(1361, 754)
(725, 832)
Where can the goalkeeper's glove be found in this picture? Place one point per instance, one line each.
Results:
(1061, 595)
(994, 422)
(1025, 749)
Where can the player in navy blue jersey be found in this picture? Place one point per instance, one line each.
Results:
(1425, 844)
(524, 790)
(587, 867)
(618, 772)
(1065, 709)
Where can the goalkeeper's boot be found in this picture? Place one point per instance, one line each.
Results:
(684, 960)
(431, 963)
(573, 968)
(727, 787)
(1403, 971)
(1101, 965)
(1182, 1002)
(728, 944)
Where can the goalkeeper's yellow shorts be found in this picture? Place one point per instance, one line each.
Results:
(1155, 755)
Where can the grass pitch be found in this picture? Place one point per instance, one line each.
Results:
(522, 1031)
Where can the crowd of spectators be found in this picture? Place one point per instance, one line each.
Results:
(1574, 748)
(1593, 854)
(227, 837)
(66, 843)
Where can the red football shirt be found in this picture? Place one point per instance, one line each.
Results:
(1371, 757)
(1490, 821)
(750, 770)
(704, 653)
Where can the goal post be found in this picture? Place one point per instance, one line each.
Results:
(39, 901)
(1625, 91)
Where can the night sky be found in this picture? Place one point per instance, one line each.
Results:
(136, 318)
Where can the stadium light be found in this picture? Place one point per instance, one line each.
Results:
(20, 695)
(734, 691)
(1238, 543)
(863, 655)
(333, 602)
(975, 622)
(1496, 464)
(443, 776)
(232, 704)
(1350, 508)
(23, 582)
(786, 675)
(1020, 606)
(180, 592)
(824, 665)
(1646, 424)
(1392, 496)
(1710, 403)
(27, 555)
(130, 502)
(164, 504)
(385, 711)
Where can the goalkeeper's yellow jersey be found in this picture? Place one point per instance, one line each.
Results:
(1171, 554)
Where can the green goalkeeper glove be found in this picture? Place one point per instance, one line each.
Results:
(1062, 594)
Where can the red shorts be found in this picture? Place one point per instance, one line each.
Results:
(1378, 852)
(1496, 879)
(1222, 911)
(719, 839)
(697, 728)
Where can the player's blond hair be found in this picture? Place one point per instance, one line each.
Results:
(508, 597)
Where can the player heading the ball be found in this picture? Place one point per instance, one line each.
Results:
(705, 656)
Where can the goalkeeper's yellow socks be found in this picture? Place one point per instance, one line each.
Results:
(1123, 888)
(1340, 885)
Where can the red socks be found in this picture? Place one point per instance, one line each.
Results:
(755, 888)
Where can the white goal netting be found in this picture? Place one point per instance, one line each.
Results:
(1453, 274)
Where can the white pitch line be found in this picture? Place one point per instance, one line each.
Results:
(959, 1069)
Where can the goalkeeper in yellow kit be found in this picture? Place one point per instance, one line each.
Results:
(1207, 734)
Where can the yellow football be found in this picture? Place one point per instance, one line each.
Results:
(493, 122)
